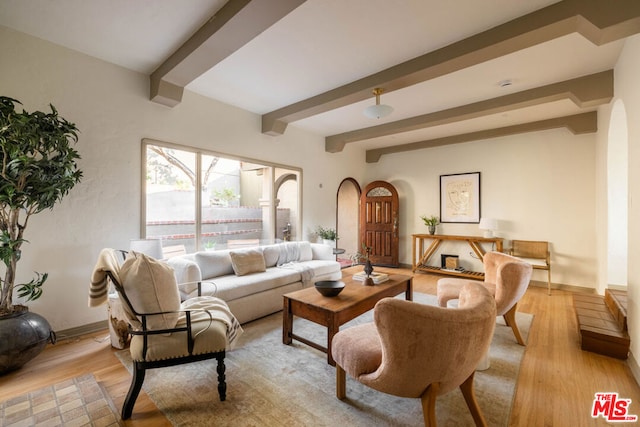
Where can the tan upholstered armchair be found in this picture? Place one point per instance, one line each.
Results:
(506, 277)
(419, 351)
(164, 331)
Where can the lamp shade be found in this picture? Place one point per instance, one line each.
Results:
(149, 247)
(489, 225)
(378, 111)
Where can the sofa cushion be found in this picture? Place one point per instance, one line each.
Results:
(323, 269)
(305, 253)
(150, 286)
(289, 252)
(271, 254)
(214, 264)
(185, 270)
(322, 251)
(247, 261)
(232, 287)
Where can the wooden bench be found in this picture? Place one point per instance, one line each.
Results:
(536, 253)
(602, 322)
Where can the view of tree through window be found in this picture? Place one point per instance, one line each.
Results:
(205, 201)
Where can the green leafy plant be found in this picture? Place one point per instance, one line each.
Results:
(37, 169)
(430, 220)
(327, 233)
(225, 196)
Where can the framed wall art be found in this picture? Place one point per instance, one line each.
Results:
(460, 198)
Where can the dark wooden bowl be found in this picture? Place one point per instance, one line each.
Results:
(330, 288)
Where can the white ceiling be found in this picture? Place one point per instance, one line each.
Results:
(323, 44)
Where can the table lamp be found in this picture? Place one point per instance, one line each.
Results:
(149, 247)
(488, 225)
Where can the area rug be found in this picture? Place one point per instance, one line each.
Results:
(79, 401)
(272, 384)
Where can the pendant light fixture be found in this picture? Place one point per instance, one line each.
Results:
(379, 110)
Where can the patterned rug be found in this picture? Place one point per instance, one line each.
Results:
(272, 384)
(79, 401)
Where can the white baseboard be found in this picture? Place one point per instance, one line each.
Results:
(633, 365)
(83, 330)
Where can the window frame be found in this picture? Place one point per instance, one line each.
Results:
(199, 152)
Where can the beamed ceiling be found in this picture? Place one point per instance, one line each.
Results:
(455, 71)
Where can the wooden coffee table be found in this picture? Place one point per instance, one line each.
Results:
(354, 300)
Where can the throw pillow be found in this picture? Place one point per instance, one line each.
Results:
(305, 251)
(214, 264)
(150, 286)
(247, 261)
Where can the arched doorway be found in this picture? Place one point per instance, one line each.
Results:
(347, 217)
(286, 201)
(379, 222)
(617, 195)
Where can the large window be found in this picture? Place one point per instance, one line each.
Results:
(205, 200)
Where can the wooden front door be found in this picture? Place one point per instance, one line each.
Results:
(379, 222)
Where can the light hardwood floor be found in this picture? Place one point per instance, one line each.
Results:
(556, 385)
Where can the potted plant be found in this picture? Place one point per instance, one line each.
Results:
(37, 169)
(328, 235)
(431, 221)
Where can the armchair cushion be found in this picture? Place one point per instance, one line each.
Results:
(213, 327)
(360, 350)
(150, 286)
(247, 261)
(410, 345)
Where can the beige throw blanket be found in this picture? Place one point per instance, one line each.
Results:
(218, 310)
(289, 257)
(289, 252)
(99, 289)
(306, 273)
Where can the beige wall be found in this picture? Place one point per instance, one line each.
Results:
(627, 89)
(110, 106)
(540, 186)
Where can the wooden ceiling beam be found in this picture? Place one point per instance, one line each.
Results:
(598, 21)
(585, 92)
(233, 26)
(576, 124)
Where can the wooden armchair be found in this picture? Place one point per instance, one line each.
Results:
(535, 253)
(164, 331)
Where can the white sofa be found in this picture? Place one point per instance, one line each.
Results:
(252, 280)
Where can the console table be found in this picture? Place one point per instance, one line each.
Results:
(420, 256)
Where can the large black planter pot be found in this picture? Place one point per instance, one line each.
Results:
(23, 336)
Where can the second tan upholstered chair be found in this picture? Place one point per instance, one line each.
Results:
(506, 277)
(417, 350)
